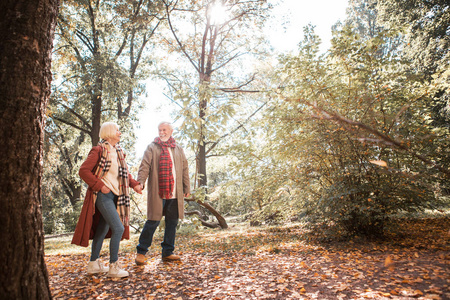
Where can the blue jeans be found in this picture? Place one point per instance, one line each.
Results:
(170, 211)
(105, 204)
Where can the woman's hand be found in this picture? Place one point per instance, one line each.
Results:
(105, 189)
(138, 189)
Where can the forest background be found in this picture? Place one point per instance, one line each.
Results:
(330, 147)
(347, 138)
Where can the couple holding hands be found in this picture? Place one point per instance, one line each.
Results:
(106, 208)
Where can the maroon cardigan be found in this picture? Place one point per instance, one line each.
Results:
(88, 220)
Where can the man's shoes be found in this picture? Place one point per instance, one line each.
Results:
(96, 266)
(171, 257)
(116, 271)
(140, 259)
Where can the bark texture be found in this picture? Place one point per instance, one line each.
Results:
(26, 35)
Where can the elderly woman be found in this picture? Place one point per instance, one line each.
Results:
(106, 207)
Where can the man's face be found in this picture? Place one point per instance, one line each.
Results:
(164, 132)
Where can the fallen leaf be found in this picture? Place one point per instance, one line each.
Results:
(381, 163)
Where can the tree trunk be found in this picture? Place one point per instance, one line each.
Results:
(96, 112)
(97, 94)
(201, 155)
(26, 34)
(75, 194)
(201, 160)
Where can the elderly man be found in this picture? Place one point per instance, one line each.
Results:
(165, 165)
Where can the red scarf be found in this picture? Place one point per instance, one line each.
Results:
(165, 175)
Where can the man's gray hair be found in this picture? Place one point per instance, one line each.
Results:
(166, 123)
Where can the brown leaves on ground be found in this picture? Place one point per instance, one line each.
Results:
(271, 263)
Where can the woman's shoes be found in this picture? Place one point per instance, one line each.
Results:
(115, 271)
(96, 266)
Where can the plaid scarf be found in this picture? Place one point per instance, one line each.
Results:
(123, 202)
(165, 175)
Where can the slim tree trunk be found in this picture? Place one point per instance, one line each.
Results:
(96, 115)
(26, 35)
(202, 177)
(96, 97)
(201, 155)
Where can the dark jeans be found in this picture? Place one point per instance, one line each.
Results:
(170, 211)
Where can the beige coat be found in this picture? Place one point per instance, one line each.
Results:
(149, 169)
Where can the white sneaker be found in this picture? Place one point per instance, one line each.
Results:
(96, 266)
(116, 271)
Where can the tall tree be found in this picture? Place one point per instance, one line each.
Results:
(425, 25)
(217, 39)
(26, 32)
(362, 17)
(100, 46)
(101, 57)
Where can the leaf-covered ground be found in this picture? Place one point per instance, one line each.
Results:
(267, 263)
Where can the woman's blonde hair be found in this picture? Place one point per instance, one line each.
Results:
(108, 130)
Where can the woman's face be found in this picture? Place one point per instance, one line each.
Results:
(116, 138)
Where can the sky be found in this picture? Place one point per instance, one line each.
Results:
(293, 15)
(285, 32)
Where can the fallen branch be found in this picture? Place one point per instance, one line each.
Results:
(204, 223)
(222, 222)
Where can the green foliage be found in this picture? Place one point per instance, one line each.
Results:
(358, 195)
(346, 139)
(427, 47)
(425, 24)
(62, 189)
(59, 215)
(204, 83)
(99, 63)
(312, 162)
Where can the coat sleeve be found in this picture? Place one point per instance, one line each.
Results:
(186, 181)
(87, 169)
(145, 167)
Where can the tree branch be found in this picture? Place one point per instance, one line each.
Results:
(326, 115)
(80, 117)
(235, 129)
(182, 48)
(222, 223)
(71, 124)
(239, 87)
(204, 223)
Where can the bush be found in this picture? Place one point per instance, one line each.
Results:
(364, 203)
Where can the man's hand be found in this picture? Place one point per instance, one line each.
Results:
(187, 195)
